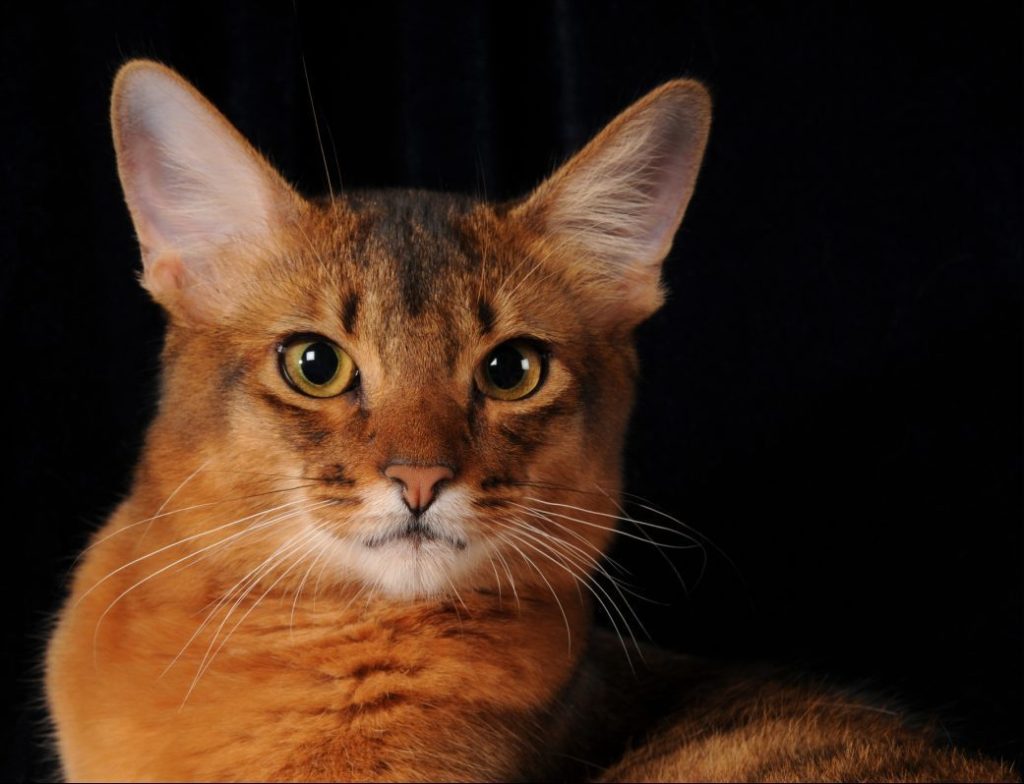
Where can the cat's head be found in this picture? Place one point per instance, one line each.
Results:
(423, 391)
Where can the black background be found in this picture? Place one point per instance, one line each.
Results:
(831, 394)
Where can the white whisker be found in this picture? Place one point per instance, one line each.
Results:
(511, 579)
(587, 584)
(183, 541)
(589, 579)
(626, 518)
(497, 579)
(125, 528)
(296, 543)
(661, 552)
(324, 548)
(529, 561)
(163, 569)
(167, 500)
(226, 597)
(612, 529)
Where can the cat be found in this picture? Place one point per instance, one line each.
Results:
(385, 467)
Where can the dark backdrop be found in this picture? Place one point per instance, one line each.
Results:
(831, 394)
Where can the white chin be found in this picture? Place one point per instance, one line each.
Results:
(406, 569)
(387, 558)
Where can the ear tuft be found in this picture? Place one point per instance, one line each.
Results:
(193, 184)
(616, 205)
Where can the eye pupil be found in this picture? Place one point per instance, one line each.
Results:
(318, 363)
(507, 367)
(316, 367)
(511, 371)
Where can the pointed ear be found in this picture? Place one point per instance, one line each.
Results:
(195, 187)
(611, 211)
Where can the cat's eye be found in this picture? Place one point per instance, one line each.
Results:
(317, 367)
(511, 371)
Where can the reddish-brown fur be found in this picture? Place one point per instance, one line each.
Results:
(318, 673)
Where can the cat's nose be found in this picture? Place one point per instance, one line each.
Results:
(419, 483)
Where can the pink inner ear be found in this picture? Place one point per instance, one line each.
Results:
(674, 160)
(147, 187)
(193, 185)
(623, 198)
(190, 179)
(620, 200)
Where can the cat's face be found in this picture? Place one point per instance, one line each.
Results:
(434, 302)
(432, 391)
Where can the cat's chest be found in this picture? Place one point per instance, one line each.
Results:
(325, 683)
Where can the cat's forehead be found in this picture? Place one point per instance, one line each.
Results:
(420, 237)
(414, 250)
(427, 277)
(409, 267)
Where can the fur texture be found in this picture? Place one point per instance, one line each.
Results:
(264, 606)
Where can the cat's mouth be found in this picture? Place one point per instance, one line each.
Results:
(417, 533)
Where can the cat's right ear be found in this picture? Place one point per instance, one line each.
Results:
(609, 214)
(200, 196)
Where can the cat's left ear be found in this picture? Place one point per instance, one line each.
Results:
(203, 201)
(611, 212)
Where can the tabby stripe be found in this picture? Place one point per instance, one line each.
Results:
(485, 314)
(349, 313)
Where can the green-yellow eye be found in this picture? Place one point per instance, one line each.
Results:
(511, 371)
(317, 367)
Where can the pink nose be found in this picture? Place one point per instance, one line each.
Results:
(419, 483)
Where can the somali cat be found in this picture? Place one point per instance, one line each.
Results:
(385, 466)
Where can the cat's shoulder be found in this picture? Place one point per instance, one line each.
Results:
(683, 718)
